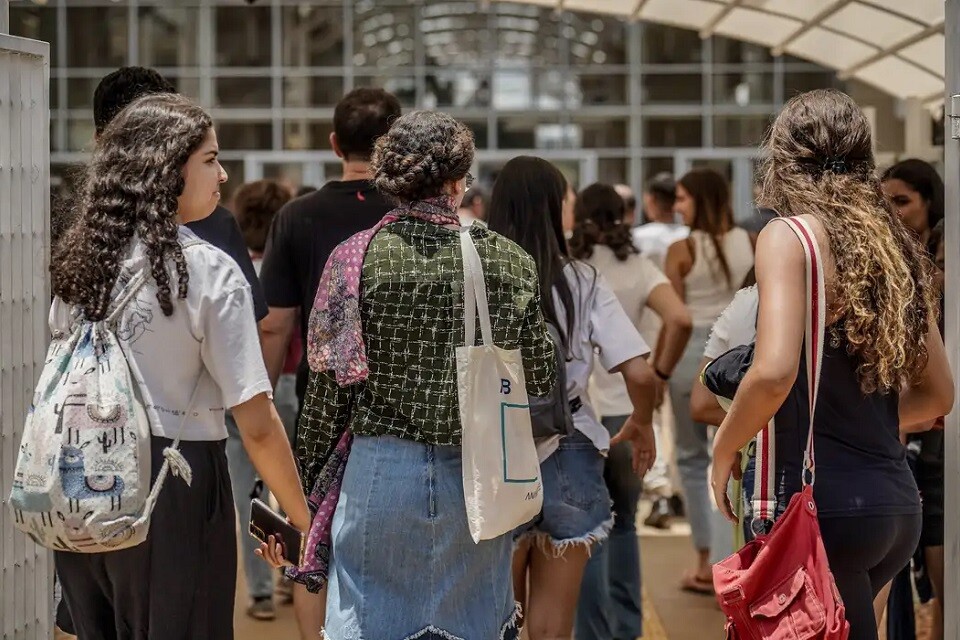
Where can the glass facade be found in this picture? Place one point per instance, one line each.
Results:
(606, 98)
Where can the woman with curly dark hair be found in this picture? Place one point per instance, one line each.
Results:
(884, 364)
(383, 334)
(191, 340)
(602, 239)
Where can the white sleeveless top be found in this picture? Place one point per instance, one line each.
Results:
(706, 289)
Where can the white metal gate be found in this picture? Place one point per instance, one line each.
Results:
(26, 581)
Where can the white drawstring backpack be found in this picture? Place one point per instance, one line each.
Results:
(82, 478)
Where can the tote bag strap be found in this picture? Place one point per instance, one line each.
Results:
(764, 486)
(474, 293)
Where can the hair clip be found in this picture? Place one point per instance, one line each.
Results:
(834, 164)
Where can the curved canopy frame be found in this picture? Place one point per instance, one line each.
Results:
(894, 45)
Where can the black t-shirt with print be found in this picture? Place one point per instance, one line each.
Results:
(221, 230)
(303, 235)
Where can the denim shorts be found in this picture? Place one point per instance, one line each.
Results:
(404, 565)
(576, 502)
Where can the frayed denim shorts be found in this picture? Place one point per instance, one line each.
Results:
(404, 565)
(576, 502)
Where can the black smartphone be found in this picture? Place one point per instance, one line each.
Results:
(265, 522)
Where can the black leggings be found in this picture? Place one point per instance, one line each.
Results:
(865, 553)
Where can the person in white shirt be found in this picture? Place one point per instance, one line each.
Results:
(736, 326)
(610, 598)
(527, 206)
(660, 228)
(706, 269)
(189, 332)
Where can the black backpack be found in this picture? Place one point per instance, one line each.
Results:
(552, 415)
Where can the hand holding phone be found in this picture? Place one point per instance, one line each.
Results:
(272, 529)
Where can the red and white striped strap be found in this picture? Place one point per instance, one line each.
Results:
(764, 489)
(764, 486)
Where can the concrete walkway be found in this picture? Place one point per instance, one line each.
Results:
(669, 614)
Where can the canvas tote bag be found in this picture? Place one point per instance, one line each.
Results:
(502, 488)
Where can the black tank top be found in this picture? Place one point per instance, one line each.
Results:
(861, 466)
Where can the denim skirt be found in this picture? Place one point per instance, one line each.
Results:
(404, 565)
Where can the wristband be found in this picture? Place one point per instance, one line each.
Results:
(660, 374)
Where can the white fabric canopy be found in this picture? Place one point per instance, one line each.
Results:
(894, 45)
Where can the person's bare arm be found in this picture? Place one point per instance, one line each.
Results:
(677, 265)
(638, 429)
(276, 330)
(703, 404)
(675, 330)
(267, 445)
(781, 280)
(932, 394)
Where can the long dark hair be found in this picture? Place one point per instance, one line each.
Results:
(131, 187)
(924, 179)
(598, 216)
(819, 161)
(713, 212)
(527, 207)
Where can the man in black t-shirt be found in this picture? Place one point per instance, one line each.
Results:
(302, 236)
(306, 230)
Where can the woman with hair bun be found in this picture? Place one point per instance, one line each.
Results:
(602, 239)
(883, 365)
(381, 346)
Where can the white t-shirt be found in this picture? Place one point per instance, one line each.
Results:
(632, 281)
(736, 326)
(654, 238)
(601, 328)
(210, 340)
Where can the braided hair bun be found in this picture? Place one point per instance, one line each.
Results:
(421, 152)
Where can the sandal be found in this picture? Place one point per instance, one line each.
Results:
(693, 583)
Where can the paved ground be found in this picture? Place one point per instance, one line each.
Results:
(669, 614)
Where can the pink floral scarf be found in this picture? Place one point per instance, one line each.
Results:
(335, 333)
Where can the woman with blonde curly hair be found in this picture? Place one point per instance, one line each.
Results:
(381, 347)
(883, 359)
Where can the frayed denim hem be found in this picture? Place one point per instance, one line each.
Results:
(509, 631)
(549, 544)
